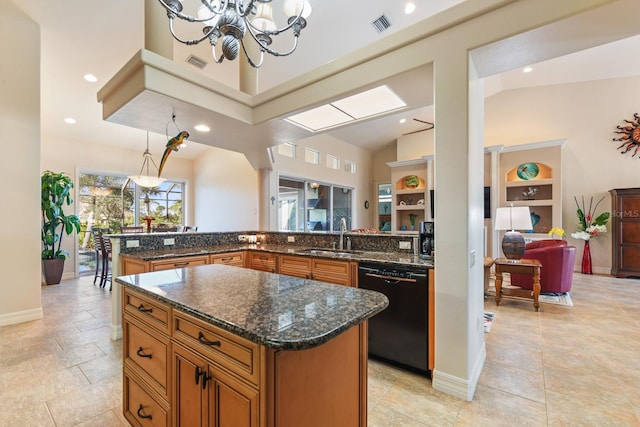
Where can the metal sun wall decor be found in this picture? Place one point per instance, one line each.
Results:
(630, 136)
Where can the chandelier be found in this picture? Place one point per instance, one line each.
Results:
(148, 180)
(231, 20)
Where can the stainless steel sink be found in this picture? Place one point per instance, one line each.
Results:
(329, 252)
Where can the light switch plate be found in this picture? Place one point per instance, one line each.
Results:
(404, 245)
(133, 243)
(170, 241)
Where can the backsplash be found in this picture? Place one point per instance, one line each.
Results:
(359, 241)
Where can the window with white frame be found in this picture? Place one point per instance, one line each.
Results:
(311, 156)
(349, 166)
(311, 206)
(333, 162)
(288, 149)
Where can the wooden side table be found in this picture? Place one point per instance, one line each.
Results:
(522, 266)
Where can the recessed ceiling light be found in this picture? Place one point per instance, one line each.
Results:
(527, 69)
(70, 120)
(90, 78)
(409, 8)
(403, 120)
(202, 128)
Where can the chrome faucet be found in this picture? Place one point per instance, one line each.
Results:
(343, 228)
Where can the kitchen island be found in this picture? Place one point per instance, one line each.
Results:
(220, 345)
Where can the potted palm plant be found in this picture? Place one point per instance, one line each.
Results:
(55, 194)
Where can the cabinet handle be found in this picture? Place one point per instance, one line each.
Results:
(226, 259)
(205, 377)
(202, 340)
(142, 354)
(180, 264)
(198, 373)
(145, 310)
(141, 415)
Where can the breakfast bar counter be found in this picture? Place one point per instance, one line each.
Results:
(221, 345)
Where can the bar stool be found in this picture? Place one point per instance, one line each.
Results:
(105, 249)
(98, 250)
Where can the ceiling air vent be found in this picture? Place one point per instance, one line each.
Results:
(196, 62)
(381, 24)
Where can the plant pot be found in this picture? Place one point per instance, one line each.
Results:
(53, 269)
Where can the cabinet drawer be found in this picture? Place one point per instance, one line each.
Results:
(263, 261)
(231, 258)
(188, 261)
(147, 351)
(151, 311)
(229, 351)
(139, 407)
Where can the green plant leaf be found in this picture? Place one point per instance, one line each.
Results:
(602, 218)
(581, 219)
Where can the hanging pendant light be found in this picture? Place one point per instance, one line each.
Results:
(148, 180)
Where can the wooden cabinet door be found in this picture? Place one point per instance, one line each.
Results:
(262, 261)
(296, 266)
(190, 399)
(232, 402)
(336, 272)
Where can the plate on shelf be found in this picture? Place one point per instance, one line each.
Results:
(528, 171)
(412, 181)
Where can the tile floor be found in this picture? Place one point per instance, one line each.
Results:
(561, 366)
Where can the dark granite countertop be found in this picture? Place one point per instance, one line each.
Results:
(360, 256)
(273, 310)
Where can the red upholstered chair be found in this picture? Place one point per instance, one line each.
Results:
(557, 261)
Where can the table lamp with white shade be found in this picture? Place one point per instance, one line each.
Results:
(513, 218)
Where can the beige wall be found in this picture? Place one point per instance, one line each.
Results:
(226, 190)
(73, 157)
(586, 114)
(19, 166)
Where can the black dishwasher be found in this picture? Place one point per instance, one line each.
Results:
(399, 333)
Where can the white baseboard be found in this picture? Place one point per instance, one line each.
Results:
(458, 387)
(20, 316)
(116, 332)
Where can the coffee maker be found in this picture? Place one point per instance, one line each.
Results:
(426, 239)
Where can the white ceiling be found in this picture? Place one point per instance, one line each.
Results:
(80, 37)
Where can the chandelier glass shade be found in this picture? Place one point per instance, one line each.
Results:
(148, 180)
(229, 22)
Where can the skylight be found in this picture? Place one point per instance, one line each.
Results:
(366, 104)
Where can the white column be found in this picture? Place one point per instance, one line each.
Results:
(116, 290)
(459, 117)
